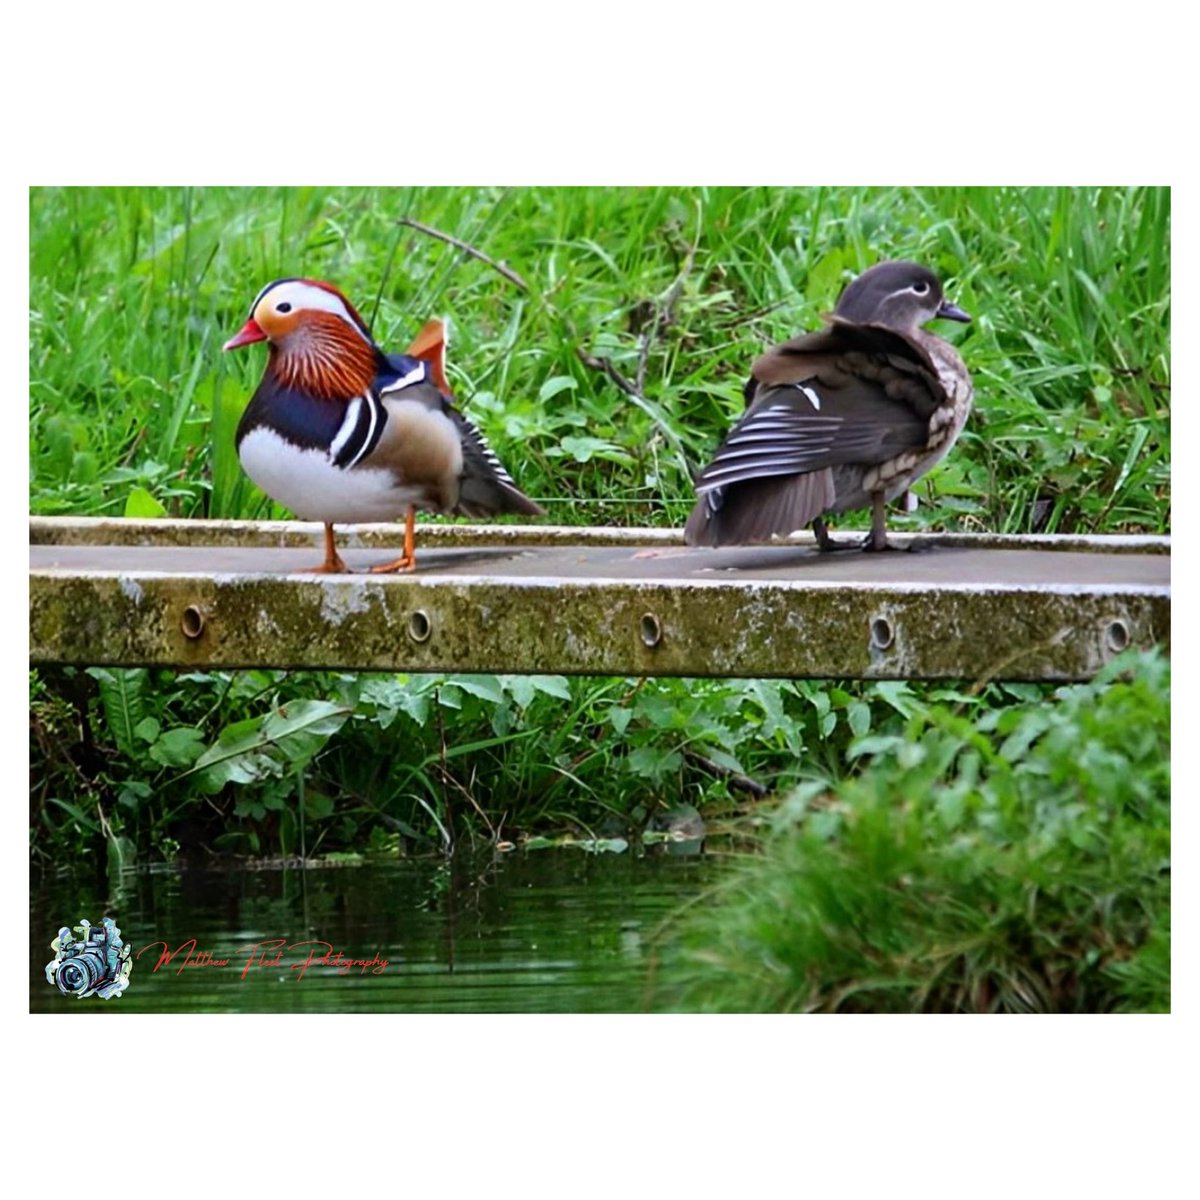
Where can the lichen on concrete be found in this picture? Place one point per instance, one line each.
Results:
(131, 588)
(343, 598)
(734, 626)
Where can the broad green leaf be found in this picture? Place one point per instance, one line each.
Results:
(766, 692)
(521, 689)
(317, 805)
(178, 747)
(238, 756)
(619, 718)
(554, 385)
(121, 697)
(416, 706)
(133, 792)
(147, 729)
(141, 505)
(552, 685)
(301, 727)
(584, 449)
(261, 747)
(722, 759)
(486, 687)
(859, 717)
(652, 762)
(880, 744)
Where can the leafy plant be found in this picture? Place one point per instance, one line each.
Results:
(613, 372)
(1016, 860)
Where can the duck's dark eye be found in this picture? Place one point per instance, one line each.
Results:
(284, 307)
(921, 289)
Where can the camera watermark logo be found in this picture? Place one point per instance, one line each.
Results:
(97, 964)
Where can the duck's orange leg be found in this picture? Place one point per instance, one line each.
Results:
(333, 564)
(408, 559)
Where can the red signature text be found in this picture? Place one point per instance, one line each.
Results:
(274, 954)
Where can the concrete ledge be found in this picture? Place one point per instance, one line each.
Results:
(235, 594)
(115, 531)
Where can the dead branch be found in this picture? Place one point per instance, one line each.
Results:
(737, 781)
(466, 248)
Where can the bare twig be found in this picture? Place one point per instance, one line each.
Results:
(449, 780)
(466, 248)
(664, 309)
(630, 389)
(437, 707)
(742, 783)
(606, 366)
(105, 827)
(633, 388)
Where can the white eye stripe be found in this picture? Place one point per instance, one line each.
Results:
(301, 295)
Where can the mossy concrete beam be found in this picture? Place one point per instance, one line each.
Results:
(589, 608)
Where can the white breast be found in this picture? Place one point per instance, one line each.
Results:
(308, 483)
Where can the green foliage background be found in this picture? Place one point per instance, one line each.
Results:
(674, 291)
(133, 291)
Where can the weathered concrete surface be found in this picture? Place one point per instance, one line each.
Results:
(590, 608)
(114, 531)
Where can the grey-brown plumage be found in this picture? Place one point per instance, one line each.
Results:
(844, 418)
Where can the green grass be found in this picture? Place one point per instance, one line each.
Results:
(133, 291)
(995, 860)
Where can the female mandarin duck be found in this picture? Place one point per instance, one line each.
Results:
(845, 418)
(340, 432)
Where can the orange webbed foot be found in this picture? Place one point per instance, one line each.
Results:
(333, 564)
(406, 562)
(336, 567)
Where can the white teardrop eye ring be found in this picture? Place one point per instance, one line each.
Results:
(920, 289)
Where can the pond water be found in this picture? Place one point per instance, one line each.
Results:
(546, 931)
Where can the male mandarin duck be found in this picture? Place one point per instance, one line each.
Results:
(844, 418)
(340, 432)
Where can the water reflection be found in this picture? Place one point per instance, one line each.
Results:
(555, 931)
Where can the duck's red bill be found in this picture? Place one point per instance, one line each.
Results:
(250, 332)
